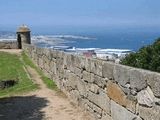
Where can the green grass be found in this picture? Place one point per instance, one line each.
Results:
(50, 84)
(12, 68)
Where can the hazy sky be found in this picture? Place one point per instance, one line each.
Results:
(79, 12)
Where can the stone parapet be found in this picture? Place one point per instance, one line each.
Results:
(8, 45)
(105, 90)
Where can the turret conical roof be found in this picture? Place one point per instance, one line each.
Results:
(23, 28)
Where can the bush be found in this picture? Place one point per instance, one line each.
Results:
(147, 57)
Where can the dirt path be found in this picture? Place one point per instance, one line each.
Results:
(41, 104)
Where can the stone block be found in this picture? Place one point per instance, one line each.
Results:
(45, 72)
(57, 53)
(88, 64)
(120, 113)
(115, 93)
(131, 105)
(62, 73)
(90, 110)
(65, 56)
(81, 85)
(69, 61)
(47, 52)
(99, 81)
(53, 54)
(107, 70)
(74, 95)
(59, 74)
(145, 113)
(55, 68)
(86, 76)
(32, 54)
(66, 74)
(96, 116)
(94, 88)
(35, 56)
(93, 97)
(51, 66)
(125, 89)
(92, 78)
(138, 79)
(89, 103)
(14, 45)
(78, 61)
(146, 97)
(46, 59)
(72, 65)
(60, 54)
(149, 113)
(50, 74)
(31, 47)
(46, 66)
(72, 80)
(58, 82)
(96, 67)
(41, 64)
(82, 102)
(78, 72)
(157, 101)
(101, 100)
(97, 110)
(85, 63)
(105, 116)
(59, 63)
(43, 50)
(39, 50)
(122, 74)
(49, 55)
(43, 57)
(154, 82)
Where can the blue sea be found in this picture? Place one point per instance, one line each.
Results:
(131, 41)
(132, 38)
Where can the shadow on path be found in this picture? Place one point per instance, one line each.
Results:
(22, 108)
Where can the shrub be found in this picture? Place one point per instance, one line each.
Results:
(147, 57)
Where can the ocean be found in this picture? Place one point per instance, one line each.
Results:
(124, 38)
(131, 41)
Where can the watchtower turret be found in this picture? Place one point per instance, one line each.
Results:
(23, 35)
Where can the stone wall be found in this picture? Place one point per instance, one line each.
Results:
(105, 90)
(8, 45)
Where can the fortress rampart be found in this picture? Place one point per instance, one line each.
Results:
(8, 45)
(105, 90)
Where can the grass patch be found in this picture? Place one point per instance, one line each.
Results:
(12, 68)
(50, 84)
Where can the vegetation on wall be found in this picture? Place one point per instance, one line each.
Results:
(147, 57)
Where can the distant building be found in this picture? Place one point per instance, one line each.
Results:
(89, 54)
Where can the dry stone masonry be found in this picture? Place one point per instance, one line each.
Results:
(8, 45)
(105, 90)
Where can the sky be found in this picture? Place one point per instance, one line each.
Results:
(95, 13)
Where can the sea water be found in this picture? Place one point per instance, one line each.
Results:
(126, 38)
(131, 41)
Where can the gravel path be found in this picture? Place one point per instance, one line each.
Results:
(41, 104)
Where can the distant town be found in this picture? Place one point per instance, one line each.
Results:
(57, 42)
